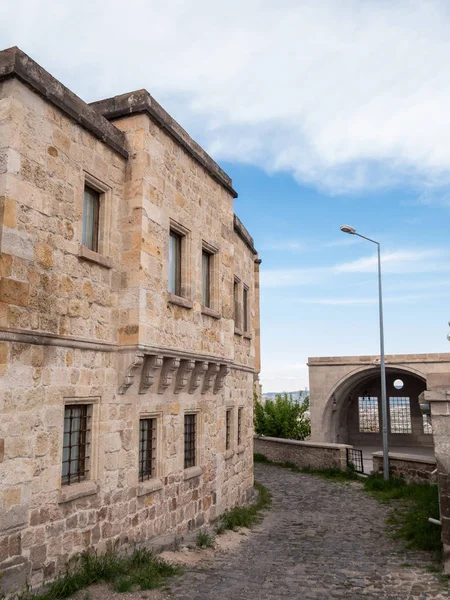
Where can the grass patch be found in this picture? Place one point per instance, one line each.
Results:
(139, 570)
(204, 539)
(245, 516)
(417, 502)
(262, 458)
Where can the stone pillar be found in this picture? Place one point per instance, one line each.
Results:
(438, 396)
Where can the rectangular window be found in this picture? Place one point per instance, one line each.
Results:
(175, 263)
(76, 444)
(427, 428)
(206, 279)
(369, 420)
(236, 303)
(190, 439)
(91, 217)
(228, 429)
(400, 413)
(245, 310)
(239, 426)
(147, 449)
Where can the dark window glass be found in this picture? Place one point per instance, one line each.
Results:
(175, 263)
(147, 449)
(206, 279)
(77, 429)
(91, 213)
(190, 434)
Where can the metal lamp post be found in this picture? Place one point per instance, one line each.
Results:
(384, 411)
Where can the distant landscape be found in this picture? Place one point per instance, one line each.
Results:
(300, 395)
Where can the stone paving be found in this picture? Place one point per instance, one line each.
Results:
(321, 540)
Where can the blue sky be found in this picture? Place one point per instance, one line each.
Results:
(323, 113)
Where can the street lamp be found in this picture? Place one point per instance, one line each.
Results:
(352, 231)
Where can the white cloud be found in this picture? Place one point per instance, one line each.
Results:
(398, 262)
(342, 94)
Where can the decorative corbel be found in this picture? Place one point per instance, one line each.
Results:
(220, 379)
(170, 365)
(129, 376)
(200, 368)
(186, 367)
(151, 367)
(213, 369)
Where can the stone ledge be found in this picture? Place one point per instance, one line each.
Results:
(78, 490)
(15, 63)
(210, 312)
(240, 449)
(179, 301)
(299, 443)
(192, 472)
(247, 335)
(238, 331)
(140, 101)
(88, 254)
(244, 234)
(147, 487)
(427, 460)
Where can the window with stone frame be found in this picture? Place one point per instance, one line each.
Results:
(175, 258)
(190, 440)
(237, 307)
(91, 219)
(228, 428)
(76, 443)
(239, 425)
(147, 448)
(206, 278)
(245, 319)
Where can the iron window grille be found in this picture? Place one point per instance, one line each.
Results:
(190, 435)
(76, 444)
(400, 414)
(228, 429)
(239, 427)
(427, 427)
(369, 419)
(91, 218)
(236, 303)
(147, 449)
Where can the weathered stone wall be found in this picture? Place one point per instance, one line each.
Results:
(413, 469)
(103, 330)
(302, 454)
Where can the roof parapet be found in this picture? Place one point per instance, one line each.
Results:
(141, 101)
(244, 234)
(15, 63)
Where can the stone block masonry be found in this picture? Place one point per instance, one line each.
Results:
(302, 454)
(126, 390)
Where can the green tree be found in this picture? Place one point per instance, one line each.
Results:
(283, 417)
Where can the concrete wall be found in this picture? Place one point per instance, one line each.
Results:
(102, 329)
(302, 454)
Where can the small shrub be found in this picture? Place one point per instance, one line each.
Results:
(261, 458)
(283, 417)
(245, 516)
(204, 539)
(139, 569)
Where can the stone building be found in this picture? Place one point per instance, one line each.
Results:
(129, 326)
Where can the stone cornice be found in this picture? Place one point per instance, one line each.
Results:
(15, 63)
(391, 359)
(244, 235)
(53, 339)
(140, 101)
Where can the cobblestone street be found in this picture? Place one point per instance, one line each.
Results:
(321, 540)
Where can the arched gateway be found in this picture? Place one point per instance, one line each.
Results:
(345, 400)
